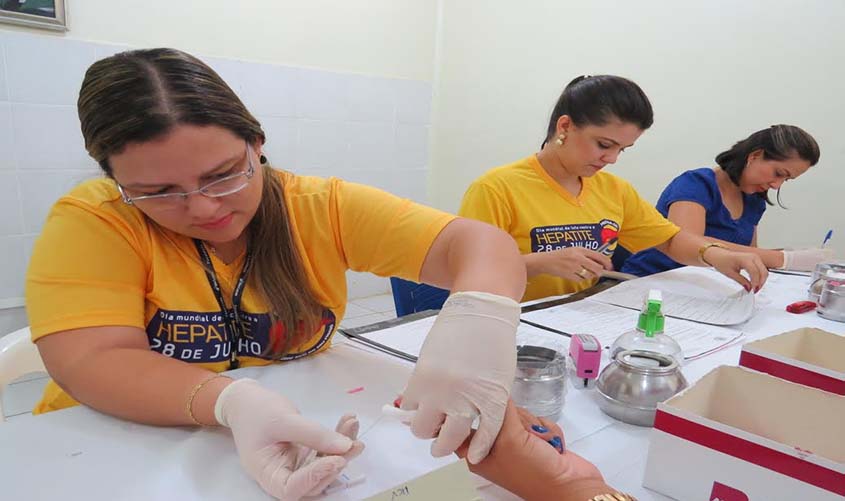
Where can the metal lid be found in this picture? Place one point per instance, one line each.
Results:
(834, 275)
(646, 362)
(537, 356)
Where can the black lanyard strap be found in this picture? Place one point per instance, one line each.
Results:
(232, 322)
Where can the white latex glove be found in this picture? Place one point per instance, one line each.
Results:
(347, 425)
(465, 370)
(805, 259)
(274, 440)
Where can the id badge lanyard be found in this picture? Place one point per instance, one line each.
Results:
(231, 320)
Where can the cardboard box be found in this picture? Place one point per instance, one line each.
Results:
(740, 435)
(811, 357)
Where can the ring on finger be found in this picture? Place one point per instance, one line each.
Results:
(583, 273)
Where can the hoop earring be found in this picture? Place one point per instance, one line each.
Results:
(561, 139)
(780, 204)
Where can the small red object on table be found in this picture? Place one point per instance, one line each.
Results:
(801, 307)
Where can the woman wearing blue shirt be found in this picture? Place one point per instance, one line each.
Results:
(726, 203)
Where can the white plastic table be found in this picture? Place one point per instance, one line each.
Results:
(81, 454)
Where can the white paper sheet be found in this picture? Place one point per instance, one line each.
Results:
(608, 322)
(689, 294)
(409, 337)
(604, 321)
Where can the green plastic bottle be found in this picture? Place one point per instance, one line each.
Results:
(649, 335)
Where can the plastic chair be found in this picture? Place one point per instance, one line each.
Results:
(18, 356)
(411, 297)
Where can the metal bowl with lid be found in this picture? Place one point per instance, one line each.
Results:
(832, 296)
(540, 381)
(814, 292)
(632, 385)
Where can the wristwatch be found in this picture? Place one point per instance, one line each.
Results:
(616, 496)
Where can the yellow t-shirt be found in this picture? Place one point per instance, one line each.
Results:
(522, 199)
(100, 262)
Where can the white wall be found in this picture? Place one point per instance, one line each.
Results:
(715, 72)
(352, 118)
(392, 38)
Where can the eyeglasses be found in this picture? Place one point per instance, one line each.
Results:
(228, 185)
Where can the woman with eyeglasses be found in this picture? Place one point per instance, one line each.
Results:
(567, 215)
(725, 203)
(193, 256)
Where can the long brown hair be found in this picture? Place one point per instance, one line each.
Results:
(141, 95)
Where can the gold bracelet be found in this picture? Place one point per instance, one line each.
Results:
(189, 406)
(616, 496)
(704, 248)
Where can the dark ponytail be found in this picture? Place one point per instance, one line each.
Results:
(778, 142)
(599, 99)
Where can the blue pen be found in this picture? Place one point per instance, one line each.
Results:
(827, 237)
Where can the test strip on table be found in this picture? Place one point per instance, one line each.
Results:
(350, 476)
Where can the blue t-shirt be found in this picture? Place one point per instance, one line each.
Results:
(699, 186)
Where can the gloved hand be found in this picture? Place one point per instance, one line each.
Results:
(465, 370)
(273, 440)
(348, 426)
(805, 259)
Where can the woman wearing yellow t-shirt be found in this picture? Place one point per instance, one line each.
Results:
(193, 256)
(561, 208)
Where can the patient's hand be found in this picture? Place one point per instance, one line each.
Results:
(543, 428)
(523, 462)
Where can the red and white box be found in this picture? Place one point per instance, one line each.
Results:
(741, 435)
(807, 356)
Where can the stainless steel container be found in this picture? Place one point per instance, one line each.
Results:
(832, 297)
(814, 292)
(632, 385)
(540, 381)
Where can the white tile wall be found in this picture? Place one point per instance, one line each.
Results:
(412, 142)
(369, 129)
(48, 137)
(4, 95)
(413, 102)
(7, 160)
(12, 271)
(10, 204)
(45, 70)
(371, 99)
(371, 145)
(321, 144)
(321, 95)
(264, 89)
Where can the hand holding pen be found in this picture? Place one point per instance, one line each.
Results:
(571, 263)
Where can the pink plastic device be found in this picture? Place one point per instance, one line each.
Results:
(585, 352)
